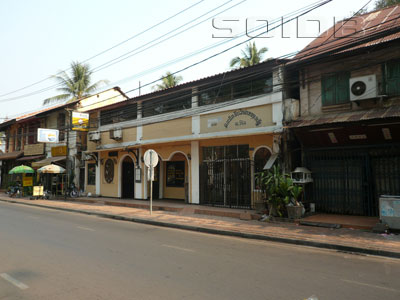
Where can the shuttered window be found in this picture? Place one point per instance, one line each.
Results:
(335, 89)
(393, 78)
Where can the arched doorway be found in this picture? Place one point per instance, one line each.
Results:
(261, 157)
(128, 178)
(176, 179)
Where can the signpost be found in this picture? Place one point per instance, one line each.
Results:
(151, 160)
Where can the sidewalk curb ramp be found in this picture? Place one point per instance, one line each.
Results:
(340, 248)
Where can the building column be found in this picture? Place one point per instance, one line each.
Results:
(139, 128)
(138, 185)
(98, 166)
(195, 172)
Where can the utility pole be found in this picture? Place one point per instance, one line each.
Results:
(67, 164)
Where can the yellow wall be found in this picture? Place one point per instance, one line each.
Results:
(111, 189)
(128, 135)
(108, 189)
(165, 150)
(102, 99)
(179, 127)
(260, 116)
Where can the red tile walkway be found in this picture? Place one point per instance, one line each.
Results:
(343, 238)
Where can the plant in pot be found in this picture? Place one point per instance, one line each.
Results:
(295, 208)
(278, 187)
(260, 199)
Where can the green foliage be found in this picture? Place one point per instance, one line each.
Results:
(278, 188)
(167, 81)
(379, 4)
(76, 85)
(297, 191)
(250, 56)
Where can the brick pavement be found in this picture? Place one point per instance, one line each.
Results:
(340, 239)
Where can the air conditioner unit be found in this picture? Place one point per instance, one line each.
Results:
(363, 87)
(94, 136)
(116, 134)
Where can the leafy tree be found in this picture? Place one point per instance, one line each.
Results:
(167, 81)
(76, 85)
(385, 3)
(250, 56)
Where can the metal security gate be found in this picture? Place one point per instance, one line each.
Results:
(226, 183)
(350, 181)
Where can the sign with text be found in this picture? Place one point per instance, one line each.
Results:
(59, 151)
(33, 149)
(27, 181)
(80, 121)
(48, 135)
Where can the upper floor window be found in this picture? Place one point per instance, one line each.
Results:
(174, 102)
(120, 114)
(217, 93)
(32, 132)
(335, 89)
(392, 77)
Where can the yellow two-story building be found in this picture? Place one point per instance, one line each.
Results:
(211, 135)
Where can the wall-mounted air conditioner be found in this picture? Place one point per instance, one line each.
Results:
(94, 136)
(116, 134)
(363, 87)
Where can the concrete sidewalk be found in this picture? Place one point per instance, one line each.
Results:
(183, 217)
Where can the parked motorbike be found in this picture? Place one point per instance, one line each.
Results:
(72, 191)
(14, 190)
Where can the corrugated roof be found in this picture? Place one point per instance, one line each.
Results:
(273, 62)
(345, 117)
(358, 32)
(11, 155)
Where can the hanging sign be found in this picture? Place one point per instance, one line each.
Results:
(47, 135)
(80, 121)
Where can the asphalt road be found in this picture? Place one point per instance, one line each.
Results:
(48, 254)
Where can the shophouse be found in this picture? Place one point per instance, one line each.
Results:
(348, 129)
(212, 135)
(22, 146)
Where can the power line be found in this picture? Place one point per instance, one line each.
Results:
(109, 49)
(313, 6)
(176, 72)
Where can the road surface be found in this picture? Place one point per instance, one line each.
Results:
(48, 254)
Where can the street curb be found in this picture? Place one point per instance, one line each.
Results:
(337, 247)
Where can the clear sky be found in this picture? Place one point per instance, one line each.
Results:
(39, 38)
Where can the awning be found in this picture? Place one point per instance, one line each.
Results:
(47, 161)
(31, 157)
(11, 155)
(346, 117)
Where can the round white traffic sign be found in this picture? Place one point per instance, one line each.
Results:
(150, 158)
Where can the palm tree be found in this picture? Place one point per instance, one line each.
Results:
(167, 81)
(76, 85)
(251, 56)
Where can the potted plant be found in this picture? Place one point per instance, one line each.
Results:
(295, 208)
(277, 186)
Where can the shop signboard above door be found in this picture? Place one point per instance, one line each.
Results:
(80, 121)
(47, 135)
(59, 151)
(33, 149)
